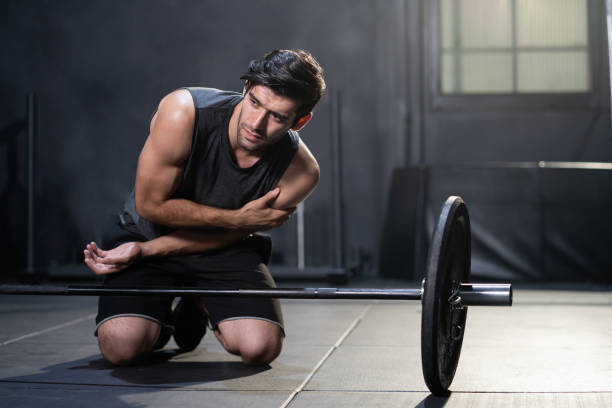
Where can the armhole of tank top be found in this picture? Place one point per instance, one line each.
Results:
(295, 139)
(194, 132)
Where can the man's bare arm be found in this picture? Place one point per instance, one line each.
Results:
(299, 180)
(297, 183)
(104, 262)
(160, 169)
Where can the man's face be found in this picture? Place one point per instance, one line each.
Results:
(264, 118)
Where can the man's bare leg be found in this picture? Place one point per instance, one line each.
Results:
(125, 340)
(257, 341)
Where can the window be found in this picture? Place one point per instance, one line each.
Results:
(514, 46)
(521, 53)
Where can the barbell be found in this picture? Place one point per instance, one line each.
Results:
(445, 294)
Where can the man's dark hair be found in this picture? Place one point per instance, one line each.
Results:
(292, 73)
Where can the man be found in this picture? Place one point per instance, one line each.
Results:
(216, 168)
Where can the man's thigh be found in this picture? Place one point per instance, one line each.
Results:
(152, 308)
(253, 311)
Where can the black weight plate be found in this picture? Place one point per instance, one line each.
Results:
(442, 326)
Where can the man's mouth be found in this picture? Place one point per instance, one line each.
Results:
(252, 136)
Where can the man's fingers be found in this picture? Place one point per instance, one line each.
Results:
(260, 214)
(89, 252)
(87, 255)
(94, 255)
(275, 218)
(101, 269)
(114, 259)
(98, 251)
(93, 250)
(91, 264)
(270, 195)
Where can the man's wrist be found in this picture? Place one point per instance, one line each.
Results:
(231, 220)
(147, 249)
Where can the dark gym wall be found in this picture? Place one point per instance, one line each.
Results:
(532, 220)
(99, 69)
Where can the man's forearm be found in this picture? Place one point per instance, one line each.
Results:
(182, 213)
(256, 215)
(190, 242)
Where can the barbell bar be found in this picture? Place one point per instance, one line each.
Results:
(445, 294)
(469, 294)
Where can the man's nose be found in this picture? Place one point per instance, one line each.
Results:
(260, 120)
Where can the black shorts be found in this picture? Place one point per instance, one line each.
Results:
(242, 266)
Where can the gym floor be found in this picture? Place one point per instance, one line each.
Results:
(552, 348)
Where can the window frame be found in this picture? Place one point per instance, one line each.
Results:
(590, 100)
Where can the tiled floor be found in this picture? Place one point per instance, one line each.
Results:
(552, 348)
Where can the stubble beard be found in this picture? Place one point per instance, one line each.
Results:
(245, 144)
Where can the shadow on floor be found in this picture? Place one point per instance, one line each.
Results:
(91, 381)
(158, 371)
(433, 402)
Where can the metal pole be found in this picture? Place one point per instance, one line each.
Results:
(472, 294)
(336, 147)
(31, 108)
(609, 30)
(301, 244)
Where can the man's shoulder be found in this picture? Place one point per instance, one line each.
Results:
(212, 98)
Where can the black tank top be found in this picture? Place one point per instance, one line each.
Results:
(211, 175)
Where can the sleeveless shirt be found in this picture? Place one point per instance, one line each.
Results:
(211, 175)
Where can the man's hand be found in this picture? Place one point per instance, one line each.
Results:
(259, 215)
(112, 261)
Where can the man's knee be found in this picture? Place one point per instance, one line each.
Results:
(257, 342)
(124, 340)
(261, 351)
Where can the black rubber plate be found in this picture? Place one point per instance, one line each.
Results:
(442, 326)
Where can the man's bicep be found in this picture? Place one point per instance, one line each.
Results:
(156, 178)
(299, 180)
(160, 165)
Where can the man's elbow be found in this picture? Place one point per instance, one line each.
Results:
(315, 175)
(146, 209)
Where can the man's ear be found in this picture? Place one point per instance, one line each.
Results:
(302, 122)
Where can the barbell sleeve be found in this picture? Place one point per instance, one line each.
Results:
(485, 294)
